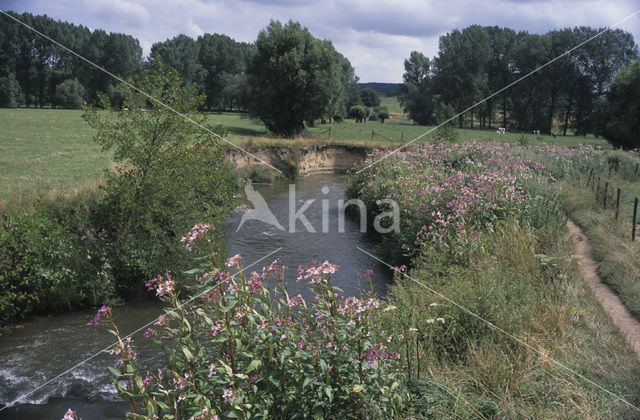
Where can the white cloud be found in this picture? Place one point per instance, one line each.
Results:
(376, 37)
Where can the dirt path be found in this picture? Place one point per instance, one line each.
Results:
(629, 325)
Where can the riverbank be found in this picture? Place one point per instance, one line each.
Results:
(486, 240)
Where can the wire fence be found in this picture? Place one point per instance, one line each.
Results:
(604, 192)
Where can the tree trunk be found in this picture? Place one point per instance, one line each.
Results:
(472, 118)
(504, 109)
(490, 109)
(566, 117)
(551, 111)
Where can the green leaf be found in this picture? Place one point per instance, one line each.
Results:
(253, 365)
(114, 371)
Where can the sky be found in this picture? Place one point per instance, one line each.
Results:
(376, 36)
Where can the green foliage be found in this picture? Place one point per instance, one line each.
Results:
(476, 61)
(292, 77)
(382, 114)
(257, 174)
(359, 113)
(448, 132)
(244, 351)
(370, 97)
(623, 100)
(70, 94)
(416, 94)
(49, 264)
(10, 92)
(171, 173)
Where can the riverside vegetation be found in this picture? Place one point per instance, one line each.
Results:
(482, 225)
(94, 246)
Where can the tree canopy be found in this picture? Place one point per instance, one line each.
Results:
(623, 103)
(477, 61)
(293, 77)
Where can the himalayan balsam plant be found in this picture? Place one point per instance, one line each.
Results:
(237, 349)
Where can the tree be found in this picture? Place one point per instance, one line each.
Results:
(370, 97)
(70, 94)
(383, 114)
(416, 93)
(9, 91)
(219, 56)
(171, 174)
(359, 113)
(623, 106)
(461, 67)
(180, 53)
(291, 78)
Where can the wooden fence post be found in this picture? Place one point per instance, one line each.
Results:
(605, 192)
(635, 217)
(402, 135)
(590, 175)
(373, 133)
(618, 203)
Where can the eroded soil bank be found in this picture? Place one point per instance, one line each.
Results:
(307, 159)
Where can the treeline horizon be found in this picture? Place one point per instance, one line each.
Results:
(470, 65)
(474, 63)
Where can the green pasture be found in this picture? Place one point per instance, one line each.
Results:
(43, 149)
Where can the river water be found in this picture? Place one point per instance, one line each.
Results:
(48, 346)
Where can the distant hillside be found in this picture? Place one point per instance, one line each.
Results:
(381, 88)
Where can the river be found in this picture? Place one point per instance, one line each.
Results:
(48, 346)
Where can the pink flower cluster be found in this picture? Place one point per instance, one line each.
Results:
(192, 237)
(161, 285)
(103, 313)
(316, 273)
(447, 193)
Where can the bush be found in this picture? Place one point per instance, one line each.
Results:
(359, 113)
(10, 92)
(383, 114)
(242, 351)
(46, 267)
(70, 94)
(171, 174)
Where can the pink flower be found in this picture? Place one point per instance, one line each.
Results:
(70, 415)
(234, 261)
(162, 285)
(227, 395)
(191, 237)
(103, 312)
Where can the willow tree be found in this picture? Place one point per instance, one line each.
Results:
(292, 77)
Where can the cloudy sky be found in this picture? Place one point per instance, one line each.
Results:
(375, 36)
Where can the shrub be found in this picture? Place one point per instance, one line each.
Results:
(383, 114)
(240, 350)
(46, 267)
(70, 94)
(359, 113)
(171, 174)
(10, 91)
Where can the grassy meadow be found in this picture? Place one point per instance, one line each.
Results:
(506, 257)
(43, 150)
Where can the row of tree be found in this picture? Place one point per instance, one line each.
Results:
(37, 72)
(477, 61)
